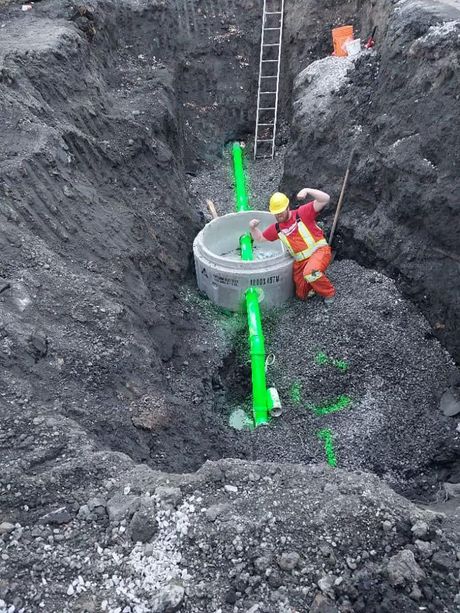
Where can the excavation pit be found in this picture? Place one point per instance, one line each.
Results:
(117, 375)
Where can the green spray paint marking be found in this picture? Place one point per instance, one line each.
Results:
(295, 393)
(340, 364)
(342, 402)
(326, 436)
(323, 360)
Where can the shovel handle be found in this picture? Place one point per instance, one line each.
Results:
(212, 209)
(342, 193)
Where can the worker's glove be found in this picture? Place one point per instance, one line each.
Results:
(254, 223)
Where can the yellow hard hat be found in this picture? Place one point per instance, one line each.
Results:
(278, 203)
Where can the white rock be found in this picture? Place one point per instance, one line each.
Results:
(420, 529)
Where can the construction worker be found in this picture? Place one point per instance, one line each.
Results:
(303, 239)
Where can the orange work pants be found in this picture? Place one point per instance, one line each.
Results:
(309, 274)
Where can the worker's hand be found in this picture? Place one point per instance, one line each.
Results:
(254, 223)
(303, 193)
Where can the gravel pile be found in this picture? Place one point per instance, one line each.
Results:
(373, 355)
(235, 536)
(216, 183)
(323, 77)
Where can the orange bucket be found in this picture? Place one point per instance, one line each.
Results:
(339, 37)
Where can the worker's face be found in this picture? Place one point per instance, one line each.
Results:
(282, 217)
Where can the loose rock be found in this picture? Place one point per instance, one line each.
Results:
(402, 568)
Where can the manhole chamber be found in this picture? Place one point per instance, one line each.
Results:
(224, 277)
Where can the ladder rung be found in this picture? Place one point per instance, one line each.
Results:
(271, 111)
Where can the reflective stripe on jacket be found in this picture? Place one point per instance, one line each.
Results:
(309, 239)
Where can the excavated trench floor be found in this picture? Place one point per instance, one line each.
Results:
(369, 369)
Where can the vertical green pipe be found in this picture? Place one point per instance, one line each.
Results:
(242, 202)
(256, 336)
(246, 247)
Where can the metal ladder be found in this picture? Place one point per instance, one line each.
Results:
(269, 77)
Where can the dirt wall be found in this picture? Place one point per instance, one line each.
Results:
(398, 107)
(97, 228)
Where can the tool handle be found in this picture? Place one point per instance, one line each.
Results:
(212, 209)
(342, 193)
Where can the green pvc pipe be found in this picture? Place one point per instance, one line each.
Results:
(260, 397)
(246, 247)
(257, 350)
(242, 201)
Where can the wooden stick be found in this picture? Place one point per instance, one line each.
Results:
(212, 209)
(447, 254)
(342, 193)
